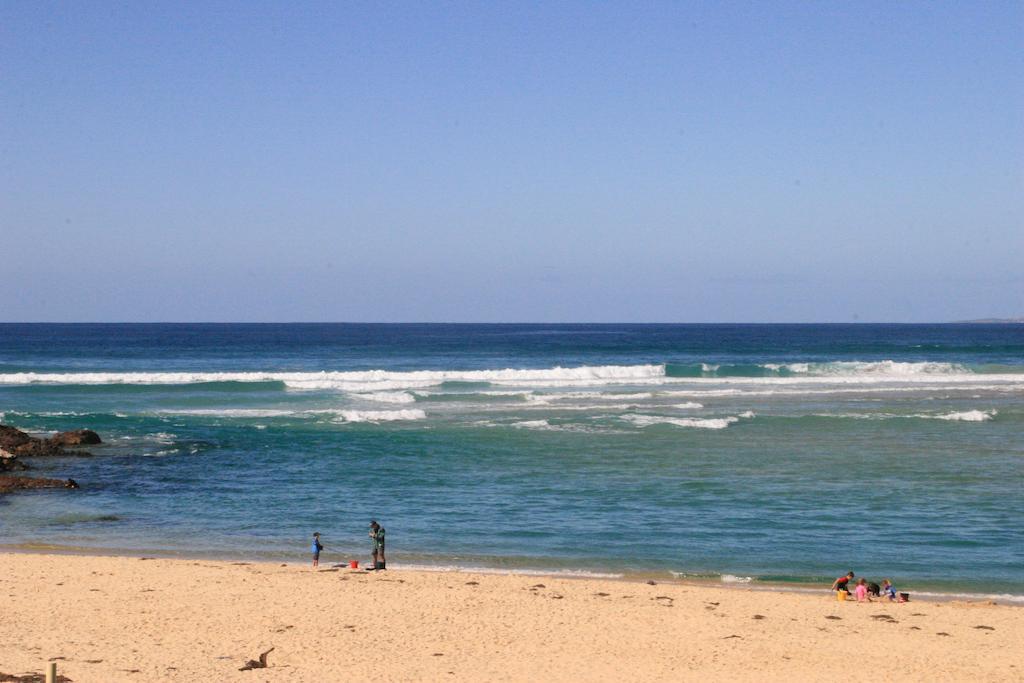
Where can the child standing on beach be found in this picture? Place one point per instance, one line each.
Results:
(377, 534)
(862, 591)
(317, 547)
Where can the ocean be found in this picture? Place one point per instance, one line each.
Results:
(738, 453)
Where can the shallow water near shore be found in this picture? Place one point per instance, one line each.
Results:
(782, 454)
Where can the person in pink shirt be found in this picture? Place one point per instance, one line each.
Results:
(861, 591)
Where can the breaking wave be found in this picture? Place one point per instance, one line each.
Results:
(362, 381)
(883, 368)
(388, 397)
(394, 386)
(962, 416)
(695, 422)
(966, 416)
(380, 415)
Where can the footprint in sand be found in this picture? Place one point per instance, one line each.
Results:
(985, 628)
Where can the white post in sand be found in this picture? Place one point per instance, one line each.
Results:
(51, 673)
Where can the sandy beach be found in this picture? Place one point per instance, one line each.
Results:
(133, 619)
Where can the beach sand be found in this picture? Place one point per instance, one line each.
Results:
(128, 619)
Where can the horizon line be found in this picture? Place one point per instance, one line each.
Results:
(993, 321)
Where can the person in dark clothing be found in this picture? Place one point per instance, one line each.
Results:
(842, 583)
(377, 534)
(316, 548)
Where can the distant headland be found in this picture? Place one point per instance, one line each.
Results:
(992, 320)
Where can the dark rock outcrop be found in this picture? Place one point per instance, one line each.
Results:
(18, 443)
(15, 443)
(11, 483)
(76, 437)
(10, 463)
(11, 438)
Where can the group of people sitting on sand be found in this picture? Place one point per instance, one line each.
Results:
(377, 538)
(865, 590)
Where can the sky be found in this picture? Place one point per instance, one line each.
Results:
(511, 161)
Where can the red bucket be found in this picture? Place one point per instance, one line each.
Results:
(354, 564)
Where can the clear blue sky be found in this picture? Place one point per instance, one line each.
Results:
(507, 161)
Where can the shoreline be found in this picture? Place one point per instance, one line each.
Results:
(638, 576)
(124, 619)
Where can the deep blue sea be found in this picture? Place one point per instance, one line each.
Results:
(775, 453)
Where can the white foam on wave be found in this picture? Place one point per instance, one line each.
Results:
(366, 380)
(803, 389)
(545, 399)
(229, 412)
(731, 578)
(963, 416)
(695, 422)
(380, 415)
(388, 397)
(532, 424)
(597, 407)
(689, 405)
(889, 368)
(966, 416)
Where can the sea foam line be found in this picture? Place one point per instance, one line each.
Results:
(384, 381)
(369, 380)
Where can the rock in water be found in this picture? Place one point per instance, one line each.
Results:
(10, 483)
(76, 437)
(11, 438)
(17, 442)
(10, 463)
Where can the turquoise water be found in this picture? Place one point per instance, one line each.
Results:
(764, 452)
